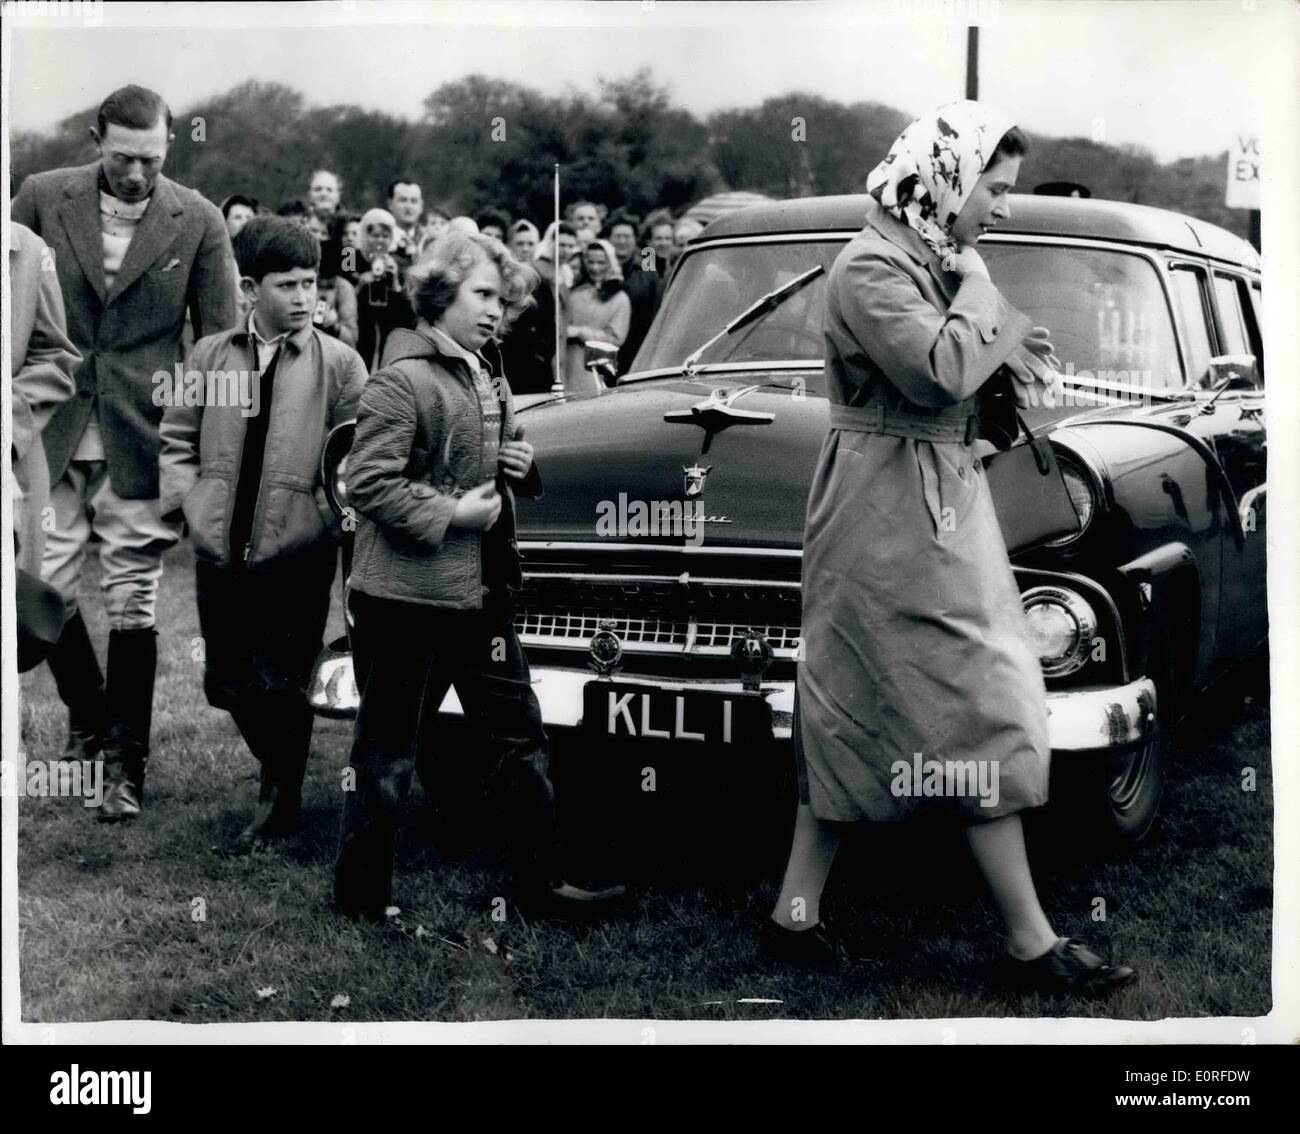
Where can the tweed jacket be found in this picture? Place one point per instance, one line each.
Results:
(179, 260)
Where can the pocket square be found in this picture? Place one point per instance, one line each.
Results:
(171, 264)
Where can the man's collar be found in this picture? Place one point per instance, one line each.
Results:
(899, 233)
(104, 187)
(297, 338)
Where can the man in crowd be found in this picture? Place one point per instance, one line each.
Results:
(133, 251)
(659, 235)
(644, 288)
(585, 216)
(406, 204)
(324, 194)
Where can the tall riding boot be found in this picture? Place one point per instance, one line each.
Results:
(132, 662)
(277, 729)
(81, 687)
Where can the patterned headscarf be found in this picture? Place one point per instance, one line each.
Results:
(932, 169)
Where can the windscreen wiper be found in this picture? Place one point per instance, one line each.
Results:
(760, 307)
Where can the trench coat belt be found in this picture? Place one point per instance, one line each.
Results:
(962, 428)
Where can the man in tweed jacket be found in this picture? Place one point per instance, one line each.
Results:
(134, 253)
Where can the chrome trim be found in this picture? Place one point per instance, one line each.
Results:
(813, 364)
(660, 548)
(1101, 718)
(1088, 460)
(797, 237)
(1078, 720)
(1085, 626)
(1095, 489)
(684, 579)
(1089, 587)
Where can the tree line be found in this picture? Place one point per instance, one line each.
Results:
(484, 143)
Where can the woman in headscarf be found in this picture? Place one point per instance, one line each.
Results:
(918, 686)
(382, 304)
(598, 308)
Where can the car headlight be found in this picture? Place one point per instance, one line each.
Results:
(1083, 494)
(1061, 627)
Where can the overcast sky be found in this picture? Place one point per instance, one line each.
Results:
(1179, 78)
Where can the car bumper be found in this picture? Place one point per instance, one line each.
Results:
(1099, 718)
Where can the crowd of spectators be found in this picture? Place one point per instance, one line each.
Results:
(611, 276)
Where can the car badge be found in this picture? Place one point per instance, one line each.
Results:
(695, 475)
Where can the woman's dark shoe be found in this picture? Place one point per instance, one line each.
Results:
(1070, 967)
(810, 948)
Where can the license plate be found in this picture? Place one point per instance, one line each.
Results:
(647, 713)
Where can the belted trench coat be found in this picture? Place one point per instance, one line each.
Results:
(914, 635)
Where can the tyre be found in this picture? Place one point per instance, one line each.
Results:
(1111, 799)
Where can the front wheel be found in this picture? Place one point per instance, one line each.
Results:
(1113, 799)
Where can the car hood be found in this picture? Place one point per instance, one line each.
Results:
(602, 455)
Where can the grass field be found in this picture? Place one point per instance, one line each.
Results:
(109, 931)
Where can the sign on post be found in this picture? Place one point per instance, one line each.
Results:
(1243, 172)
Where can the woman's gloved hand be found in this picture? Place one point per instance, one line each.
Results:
(1034, 366)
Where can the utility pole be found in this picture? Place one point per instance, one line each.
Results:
(972, 62)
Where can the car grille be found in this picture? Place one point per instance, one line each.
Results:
(657, 613)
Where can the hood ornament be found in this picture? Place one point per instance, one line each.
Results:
(718, 412)
(695, 475)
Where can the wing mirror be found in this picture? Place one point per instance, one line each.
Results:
(334, 465)
(1233, 372)
(601, 359)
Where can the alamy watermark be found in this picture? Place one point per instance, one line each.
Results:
(209, 389)
(951, 779)
(59, 779)
(676, 519)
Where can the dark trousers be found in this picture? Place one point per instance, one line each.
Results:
(405, 657)
(262, 631)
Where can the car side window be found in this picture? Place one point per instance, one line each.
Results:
(1232, 324)
(1188, 283)
(1252, 304)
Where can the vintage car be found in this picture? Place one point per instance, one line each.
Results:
(661, 599)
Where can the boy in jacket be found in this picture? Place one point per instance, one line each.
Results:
(431, 475)
(244, 473)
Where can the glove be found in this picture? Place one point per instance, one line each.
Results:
(1033, 368)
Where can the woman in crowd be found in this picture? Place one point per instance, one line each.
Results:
(382, 304)
(914, 637)
(598, 308)
(523, 240)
